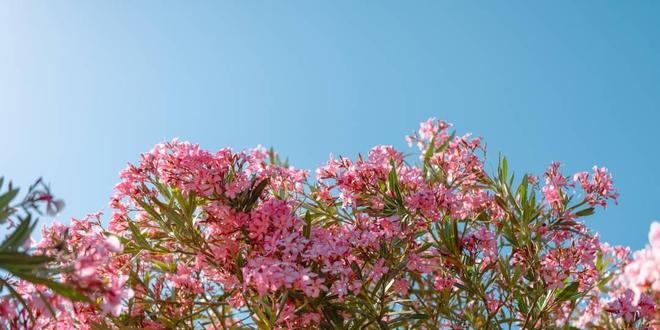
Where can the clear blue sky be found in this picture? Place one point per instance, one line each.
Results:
(86, 86)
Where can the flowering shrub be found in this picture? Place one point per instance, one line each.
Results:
(241, 240)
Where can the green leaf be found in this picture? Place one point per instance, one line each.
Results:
(152, 212)
(427, 156)
(5, 200)
(522, 193)
(307, 228)
(7, 197)
(394, 183)
(255, 194)
(163, 266)
(585, 212)
(22, 260)
(20, 299)
(570, 292)
(504, 170)
(137, 236)
(57, 287)
(19, 235)
(401, 320)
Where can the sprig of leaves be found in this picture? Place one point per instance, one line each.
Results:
(16, 259)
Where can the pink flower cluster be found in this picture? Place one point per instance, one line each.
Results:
(571, 260)
(630, 310)
(598, 188)
(638, 286)
(239, 239)
(92, 256)
(251, 237)
(631, 299)
(642, 274)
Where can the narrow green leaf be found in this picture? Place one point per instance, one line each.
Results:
(255, 194)
(427, 156)
(585, 212)
(22, 232)
(137, 236)
(394, 183)
(57, 287)
(568, 293)
(7, 197)
(18, 259)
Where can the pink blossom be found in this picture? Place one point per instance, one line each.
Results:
(623, 306)
(112, 301)
(113, 244)
(378, 271)
(599, 189)
(267, 247)
(401, 286)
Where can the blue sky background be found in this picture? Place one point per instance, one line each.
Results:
(86, 86)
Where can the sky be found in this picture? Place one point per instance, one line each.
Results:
(86, 86)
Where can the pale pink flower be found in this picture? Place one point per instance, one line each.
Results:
(113, 244)
(115, 295)
(378, 270)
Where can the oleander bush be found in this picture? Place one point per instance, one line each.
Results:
(242, 240)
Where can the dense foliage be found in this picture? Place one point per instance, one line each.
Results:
(241, 240)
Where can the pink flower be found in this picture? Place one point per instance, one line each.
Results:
(378, 270)
(401, 286)
(113, 244)
(443, 282)
(552, 195)
(554, 183)
(7, 309)
(599, 189)
(312, 286)
(85, 268)
(643, 272)
(623, 306)
(355, 286)
(654, 235)
(492, 303)
(116, 293)
(53, 206)
(340, 288)
(186, 279)
(646, 307)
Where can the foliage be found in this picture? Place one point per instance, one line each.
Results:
(241, 240)
(20, 267)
